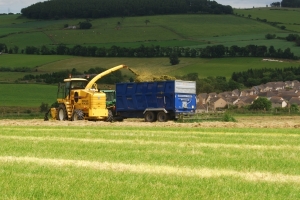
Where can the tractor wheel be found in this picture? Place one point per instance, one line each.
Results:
(77, 115)
(162, 117)
(150, 117)
(61, 113)
(110, 116)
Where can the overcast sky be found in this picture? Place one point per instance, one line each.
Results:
(15, 6)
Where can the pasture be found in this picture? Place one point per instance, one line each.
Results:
(97, 160)
(27, 95)
(285, 16)
(191, 30)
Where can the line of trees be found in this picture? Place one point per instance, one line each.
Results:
(215, 51)
(290, 3)
(254, 77)
(286, 3)
(120, 8)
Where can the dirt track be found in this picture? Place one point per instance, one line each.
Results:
(242, 122)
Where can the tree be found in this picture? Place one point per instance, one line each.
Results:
(3, 47)
(16, 49)
(292, 37)
(146, 21)
(44, 107)
(272, 51)
(270, 36)
(261, 104)
(85, 25)
(174, 59)
(290, 3)
(45, 50)
(294, 108)
(275, 4)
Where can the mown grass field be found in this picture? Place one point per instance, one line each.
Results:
(102, 162)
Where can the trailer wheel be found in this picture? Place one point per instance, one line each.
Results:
(61, 113)
(77, 115)
(150, 117)
(162, 117)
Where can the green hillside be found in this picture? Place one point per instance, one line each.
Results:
(170, 30)
(288, 17)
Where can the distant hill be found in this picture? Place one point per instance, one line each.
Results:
(61, 9)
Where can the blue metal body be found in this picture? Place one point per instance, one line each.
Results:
(173, 97)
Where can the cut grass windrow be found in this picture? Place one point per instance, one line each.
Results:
(156, 169)
(145, 142)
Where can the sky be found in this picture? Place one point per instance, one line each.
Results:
(15, 6)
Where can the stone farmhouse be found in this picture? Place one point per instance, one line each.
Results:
(281, 94)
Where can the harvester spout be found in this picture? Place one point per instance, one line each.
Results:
(96, 78)
(133, 72)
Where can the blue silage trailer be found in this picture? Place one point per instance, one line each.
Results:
(160, 100)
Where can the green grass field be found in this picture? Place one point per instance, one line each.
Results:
(101, 162)
(150, 66)
(27, 95)
(286, 16)
(174, 30)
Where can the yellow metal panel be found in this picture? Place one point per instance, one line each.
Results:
(101, 113)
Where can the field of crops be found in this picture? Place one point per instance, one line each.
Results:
(97, 160)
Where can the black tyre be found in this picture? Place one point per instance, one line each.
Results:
(162, 116)
(61, 113)
(110, 116)
(150, 117)
(77, 115)
(118, 118)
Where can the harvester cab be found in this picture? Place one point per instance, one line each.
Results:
(69, 84)
(80, 99)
